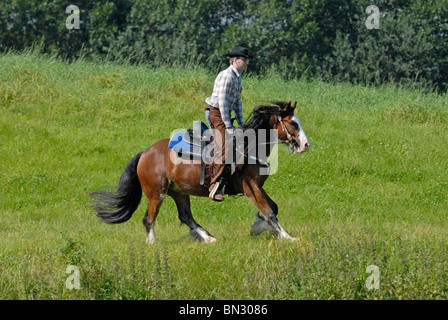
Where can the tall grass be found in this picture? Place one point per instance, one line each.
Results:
(371, 191)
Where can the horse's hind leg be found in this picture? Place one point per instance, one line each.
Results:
(149, 219)
(185, 216)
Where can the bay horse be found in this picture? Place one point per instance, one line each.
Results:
(153, 171)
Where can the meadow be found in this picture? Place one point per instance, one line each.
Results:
(372, 190)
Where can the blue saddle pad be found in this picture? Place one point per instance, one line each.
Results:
(178, 143)
(182, 141)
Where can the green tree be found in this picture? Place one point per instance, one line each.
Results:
(324, 38)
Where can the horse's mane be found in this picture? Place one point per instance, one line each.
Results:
(260, 116)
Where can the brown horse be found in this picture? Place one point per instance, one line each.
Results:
(154, 171)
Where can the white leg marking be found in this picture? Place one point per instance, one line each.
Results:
(280, 233)
(260, 225)
(205, 237)
(150, 236)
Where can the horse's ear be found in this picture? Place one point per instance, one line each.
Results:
(286, 106)
(290, 108)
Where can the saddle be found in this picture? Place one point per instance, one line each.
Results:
(190, 144)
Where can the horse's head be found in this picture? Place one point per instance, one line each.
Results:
(290, 129)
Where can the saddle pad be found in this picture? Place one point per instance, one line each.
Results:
(178, 143)
(185, 142)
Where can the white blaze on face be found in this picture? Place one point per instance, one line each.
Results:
(303, 140)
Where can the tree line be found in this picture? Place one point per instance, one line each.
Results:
(326, 39)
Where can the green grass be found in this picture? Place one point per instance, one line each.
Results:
(371, 191)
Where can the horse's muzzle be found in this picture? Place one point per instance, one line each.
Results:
(301, 148)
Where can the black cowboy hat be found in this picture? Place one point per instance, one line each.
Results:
(239, 52)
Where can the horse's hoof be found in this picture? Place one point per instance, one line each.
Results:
(210, 239)
(289, 238)
(202, 235)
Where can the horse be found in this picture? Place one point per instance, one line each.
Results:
(154, 172)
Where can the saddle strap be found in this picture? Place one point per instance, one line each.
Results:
(201, 182)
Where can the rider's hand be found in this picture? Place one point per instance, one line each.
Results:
(230, 131)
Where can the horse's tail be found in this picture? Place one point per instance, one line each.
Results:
(118, 206)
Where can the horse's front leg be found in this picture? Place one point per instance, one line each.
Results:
(269, 210)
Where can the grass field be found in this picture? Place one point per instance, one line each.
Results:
(371, 191)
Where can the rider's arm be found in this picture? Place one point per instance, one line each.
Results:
(225, 99)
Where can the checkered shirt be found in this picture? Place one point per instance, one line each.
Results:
(227, 96)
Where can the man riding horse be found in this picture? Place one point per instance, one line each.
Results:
(226, 97)
(154, 172)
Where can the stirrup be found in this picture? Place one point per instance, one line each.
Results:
(217, 197)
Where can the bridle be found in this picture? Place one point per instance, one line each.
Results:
(290, 138)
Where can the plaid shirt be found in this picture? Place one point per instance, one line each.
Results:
(227, 96)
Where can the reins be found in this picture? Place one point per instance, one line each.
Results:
(262, 111)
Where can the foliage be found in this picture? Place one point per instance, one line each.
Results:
(404, 50)
(326, 39)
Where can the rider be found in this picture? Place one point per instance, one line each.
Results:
(226, 97)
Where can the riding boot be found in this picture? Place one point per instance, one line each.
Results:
(217, 193)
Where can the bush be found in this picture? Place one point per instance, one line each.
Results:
(405, 50)
(324, 38)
